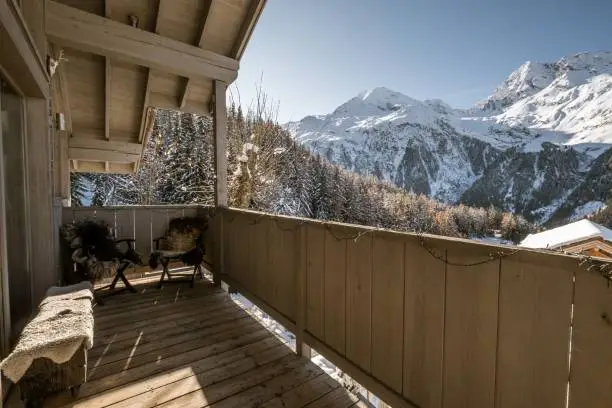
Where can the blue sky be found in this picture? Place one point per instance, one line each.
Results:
(311, 56)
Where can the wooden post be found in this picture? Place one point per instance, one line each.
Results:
(220, 121)
(301, 348)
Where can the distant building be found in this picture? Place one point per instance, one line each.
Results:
(580, 237)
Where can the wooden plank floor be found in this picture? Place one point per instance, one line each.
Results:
(193, 347)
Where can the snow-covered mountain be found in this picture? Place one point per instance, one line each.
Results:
(531, 147)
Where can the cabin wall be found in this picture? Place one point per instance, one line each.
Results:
(28, 186)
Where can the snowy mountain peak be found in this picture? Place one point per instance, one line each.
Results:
(542, 135)
(375, 101)
(532, 77)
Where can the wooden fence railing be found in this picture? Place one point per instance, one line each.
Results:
(142, 223)
(430, 321)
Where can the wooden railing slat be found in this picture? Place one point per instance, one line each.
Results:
(470, 339)
(423, 326)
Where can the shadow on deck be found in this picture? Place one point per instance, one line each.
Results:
(193, 347)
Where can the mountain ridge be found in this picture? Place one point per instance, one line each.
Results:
(526, 147)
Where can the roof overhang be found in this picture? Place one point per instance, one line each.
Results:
(117, 60)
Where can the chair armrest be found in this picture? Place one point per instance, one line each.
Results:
(118, 241)
(128, 241)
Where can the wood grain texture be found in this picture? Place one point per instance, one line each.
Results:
(91, 33)
(335, 291)
(315, 270)
(591, 384)
(470, 339)
(423, 327)
(282, 253)
(359, 301)
(388, 311)
(533, 341)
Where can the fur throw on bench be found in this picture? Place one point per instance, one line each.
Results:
(63, 324)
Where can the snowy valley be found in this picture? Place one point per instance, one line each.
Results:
(540, 145)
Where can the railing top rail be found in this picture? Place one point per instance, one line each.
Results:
(136, 207)
(550, 257)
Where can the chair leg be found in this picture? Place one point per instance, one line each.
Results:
(196, 271)
(115, 280)
(120, 273)
(164, 272)
(201, 271)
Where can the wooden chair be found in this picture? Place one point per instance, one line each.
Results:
(92, 253)
(185, 246)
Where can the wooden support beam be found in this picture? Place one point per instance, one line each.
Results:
(220, 122)
(79, 153)
(91, 33)
(107, 83)
(221, 202)
(144, 116)
(200, 43)
(107, 166)
(19, 56)
(145, 107)
(97, 144)
(255, 9)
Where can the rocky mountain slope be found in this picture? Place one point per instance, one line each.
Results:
(539, 145)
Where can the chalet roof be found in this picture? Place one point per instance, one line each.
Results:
(567, 234)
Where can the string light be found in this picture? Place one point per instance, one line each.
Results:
(602, 267)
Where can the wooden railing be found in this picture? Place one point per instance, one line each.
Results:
(430, 321)
(142, 223)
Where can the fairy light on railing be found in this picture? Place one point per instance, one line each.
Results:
(602, 267)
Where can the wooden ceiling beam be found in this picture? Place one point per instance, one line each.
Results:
(97, 144)
(78, 153)
(248, 24)
(200, 43)
(87, 32)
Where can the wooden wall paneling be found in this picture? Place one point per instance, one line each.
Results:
(86, 87)
(388, 311)
(335, 288)
(126, 104)
(142, 231)
(172, 213)
(124, 220)
(67, 215)
(359, 301)
(470, 335)
(84, 214)
(423, 325)
(40, 197)
(229, 249)
(241, 250)
(258, 280)
(283, 253)
(159, 224)
(591, 382)
(107, 216)
(315, 271)
(190, 212)
(534, 327)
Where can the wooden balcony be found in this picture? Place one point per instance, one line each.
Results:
(194, 347)
(418, 320)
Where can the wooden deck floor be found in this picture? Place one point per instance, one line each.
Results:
(194, 347)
